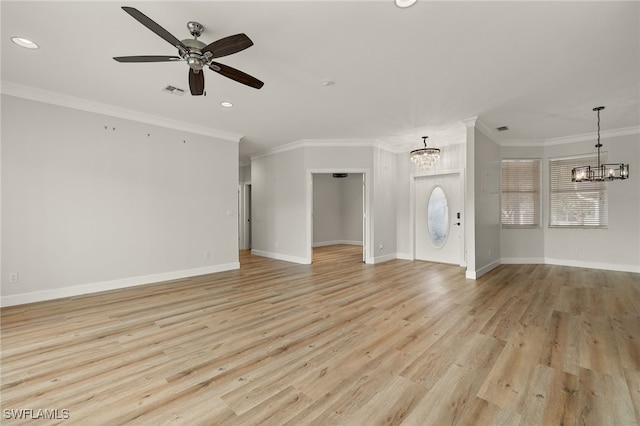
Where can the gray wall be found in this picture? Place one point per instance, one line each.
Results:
(337, 209)
(580, 247)
(281, 184)
(487, 203)
(86, 208)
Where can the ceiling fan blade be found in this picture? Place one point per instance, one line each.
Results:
(228, 45)
(236, 75)
(147, 58)
(153, 26)
(196, 82)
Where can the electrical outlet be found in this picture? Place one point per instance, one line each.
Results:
(13, 277)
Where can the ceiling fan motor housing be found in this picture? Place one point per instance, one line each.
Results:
(196, 54)
(193, 55)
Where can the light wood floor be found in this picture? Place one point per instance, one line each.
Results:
(336, 342)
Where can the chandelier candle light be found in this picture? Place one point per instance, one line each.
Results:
(425, 157)
(602, 172)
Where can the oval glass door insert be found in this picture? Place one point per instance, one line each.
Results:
(438, 217)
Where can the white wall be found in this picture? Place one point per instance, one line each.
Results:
(281, 188)
(487, 204)
(352, 208)
(279, 206)
(384, 206)
(453, 157)
(524, 245)
(327, 209)
(579, 247)
(86, 208)
(337, 209)
(618, 247)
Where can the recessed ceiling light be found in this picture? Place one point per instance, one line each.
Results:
(226, 104)
(405, 3)
(23, 42)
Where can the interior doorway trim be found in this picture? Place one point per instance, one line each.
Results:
(412, 210)
(367, 235)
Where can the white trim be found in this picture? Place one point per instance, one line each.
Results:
(404, 256)
(336, 242)
(280, 256)
(78, 290)
(585, 137)
(384, 258)
(412, 206)
(522, 260)
(474, 275)
(45, 96)
(592, 265)
(368, 216)
(487, 131)
(314, 143)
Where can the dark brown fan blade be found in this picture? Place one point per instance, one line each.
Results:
(196, 82)
(153, 26)
(147, 58)
(236, 75)
(228, 45)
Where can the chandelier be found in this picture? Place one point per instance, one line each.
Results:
(602, 172)
(425, 157)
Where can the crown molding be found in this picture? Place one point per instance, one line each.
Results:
(585, 137)
(54, 98)
(315, 143)
(470, 122)
(487, 131)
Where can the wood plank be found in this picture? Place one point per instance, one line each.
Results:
(335, 342)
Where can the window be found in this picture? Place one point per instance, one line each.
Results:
(520, 200)
(576, 204)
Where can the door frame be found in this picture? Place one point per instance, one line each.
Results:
(244, 215)
(366, 236)
(412, 209)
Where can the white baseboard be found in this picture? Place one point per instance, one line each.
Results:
(77, 290)
(474, 275)
(523, 260)
(336, 242)
(593, 265)
(572, 263)
(385, 258)
(404, 256)
(280, 256)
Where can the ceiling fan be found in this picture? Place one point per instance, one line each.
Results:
(196, 53)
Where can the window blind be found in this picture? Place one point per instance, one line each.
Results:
(576, 204)
(520, 193)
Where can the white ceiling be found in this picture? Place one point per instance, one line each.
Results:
(537, 67)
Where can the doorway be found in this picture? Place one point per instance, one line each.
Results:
(244, 219)
(337, 210)
(438, 235)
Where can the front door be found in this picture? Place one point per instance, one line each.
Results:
(438, 218)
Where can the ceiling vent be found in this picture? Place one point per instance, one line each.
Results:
(502, 128)
(173, 90)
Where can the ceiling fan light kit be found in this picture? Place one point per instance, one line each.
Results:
(195, 53)
(602, 172)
